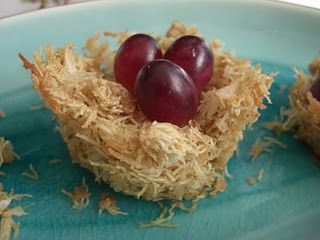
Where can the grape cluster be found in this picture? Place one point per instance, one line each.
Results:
(167, 87)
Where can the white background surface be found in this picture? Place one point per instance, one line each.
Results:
(11, 7)
(309, 3)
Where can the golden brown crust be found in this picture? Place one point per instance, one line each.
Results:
(106, 132)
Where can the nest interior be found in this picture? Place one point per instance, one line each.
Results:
(107, 133)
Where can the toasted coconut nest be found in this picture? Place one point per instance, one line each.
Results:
(304, 114)
(107, 133)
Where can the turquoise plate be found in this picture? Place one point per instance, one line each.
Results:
(284, 205)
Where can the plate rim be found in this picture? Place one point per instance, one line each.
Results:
(78, 6)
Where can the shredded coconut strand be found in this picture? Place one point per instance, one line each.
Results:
(271, 140)
(54, 161)
(257, 148)
(287, 121)
(276, 126)
(162, 221)
(226, 172)
(167, 214)
(31, 173)
(252, 181)
(260, 175)
(108, 134)
(80, 197)
(110, 204)
(263, 146)
(36, 107)
(31, 150)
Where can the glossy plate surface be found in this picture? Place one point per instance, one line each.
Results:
(284, 205)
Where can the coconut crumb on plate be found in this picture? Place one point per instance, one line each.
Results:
(167, 214)
(81, 196)
(31, 150)
(260, 175)
(162, 221)
(262, 145)
(36, 107)
(109, 203)
(220, 185)
(257, 148)
(31, 173)
(54, 161)
(274, 141)
(253, 180)
(9, 229)
(7, 153)
(287, 121)
(275, 126)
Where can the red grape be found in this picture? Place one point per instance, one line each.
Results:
(166, 93)
(315, 89)
(194, 56)
(132, 55)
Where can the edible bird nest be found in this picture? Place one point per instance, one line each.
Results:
(107, 133)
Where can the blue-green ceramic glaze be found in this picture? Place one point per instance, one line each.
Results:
(284, 205)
